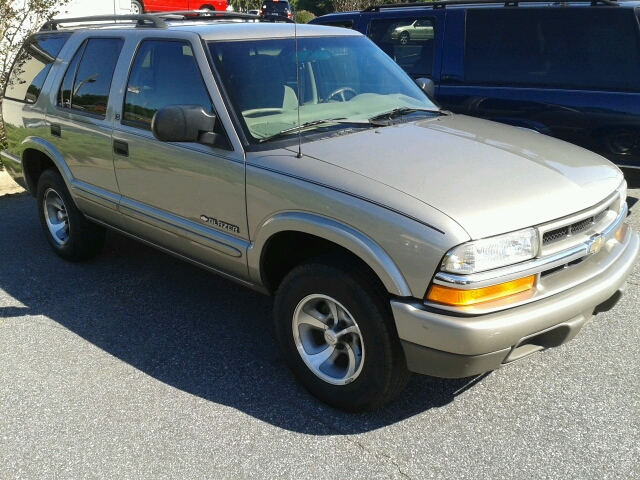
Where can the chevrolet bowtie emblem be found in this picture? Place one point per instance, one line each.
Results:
(595, 243)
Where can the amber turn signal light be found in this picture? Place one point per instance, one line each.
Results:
(458, 298)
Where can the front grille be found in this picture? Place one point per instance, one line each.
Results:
(563, 232)
(553, 235)
(580, 226)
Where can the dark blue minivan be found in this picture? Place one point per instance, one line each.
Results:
(570, 69)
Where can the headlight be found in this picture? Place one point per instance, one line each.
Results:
(491, 253)
(623, 193)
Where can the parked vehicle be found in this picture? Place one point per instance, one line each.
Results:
(566, 69)
(304, 163)
(420, 29)
(278, 8)
(85, 8)
(140, 6)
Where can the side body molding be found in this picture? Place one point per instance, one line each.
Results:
(354, 241)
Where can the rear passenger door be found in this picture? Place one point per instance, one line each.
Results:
(80, 125)
(186, 197)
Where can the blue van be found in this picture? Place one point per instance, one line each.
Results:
(570, 70)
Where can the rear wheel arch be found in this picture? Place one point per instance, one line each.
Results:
(34, 163)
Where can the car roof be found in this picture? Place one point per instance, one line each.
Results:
(227, 27)
(467, 4)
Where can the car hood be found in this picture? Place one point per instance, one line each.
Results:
(488, 177)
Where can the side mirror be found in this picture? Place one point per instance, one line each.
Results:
(427, 86)
(183, 123)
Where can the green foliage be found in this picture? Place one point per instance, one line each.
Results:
(317, 7)
(19, 18)
(304, 16)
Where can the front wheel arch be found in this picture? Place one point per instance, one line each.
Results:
(330, 235)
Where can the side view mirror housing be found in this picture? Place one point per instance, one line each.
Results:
(184, 123)
(427, 86)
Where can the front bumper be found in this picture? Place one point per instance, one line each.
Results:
(443, 344)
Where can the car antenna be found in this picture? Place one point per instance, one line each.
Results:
(295, 39)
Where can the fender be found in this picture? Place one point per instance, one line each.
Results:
(37, 143)
(354, 241)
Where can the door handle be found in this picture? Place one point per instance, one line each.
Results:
(121, 148)
(55, 130)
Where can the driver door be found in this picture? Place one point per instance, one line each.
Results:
(186, 197)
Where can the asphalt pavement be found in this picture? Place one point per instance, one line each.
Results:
(138, 365)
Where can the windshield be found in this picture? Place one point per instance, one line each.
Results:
(346, 79)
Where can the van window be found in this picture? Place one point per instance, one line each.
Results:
(86, 84)
(338, 23)
(32, 66)
(561, 48)
(408, 40)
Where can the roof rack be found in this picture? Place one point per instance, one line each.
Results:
(507, 3)
(215, 14)
(158, 20)
(142, 20)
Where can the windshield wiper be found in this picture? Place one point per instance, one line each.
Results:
(388, 118)
(306, 125)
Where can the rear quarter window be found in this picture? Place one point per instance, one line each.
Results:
(32, 66)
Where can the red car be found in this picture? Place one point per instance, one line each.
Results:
(141, 6)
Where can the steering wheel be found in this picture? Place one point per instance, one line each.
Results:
(340, 92)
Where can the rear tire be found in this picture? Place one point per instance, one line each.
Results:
(69, 233)
(336, 331)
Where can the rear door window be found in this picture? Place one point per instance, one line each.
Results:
(550, 47)
(87, 81)
(32, 66)
(407, 40)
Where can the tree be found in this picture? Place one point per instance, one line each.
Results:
(19, 18)
(303, 16)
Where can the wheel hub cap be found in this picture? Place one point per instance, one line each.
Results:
(328, 339)
(55, 214)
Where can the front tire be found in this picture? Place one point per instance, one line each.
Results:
(335, 328)
(68, 232)
(404, 38)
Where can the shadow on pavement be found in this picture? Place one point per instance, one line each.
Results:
(181, 325)
(632, 176)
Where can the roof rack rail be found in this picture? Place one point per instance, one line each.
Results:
(158, 20)
(215, 14)
(507, 3)
(142, 20)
